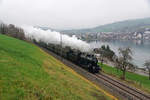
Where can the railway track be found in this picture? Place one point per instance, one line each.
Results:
(132, 92)
(126, 92)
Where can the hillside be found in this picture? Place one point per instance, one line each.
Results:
(123, 26)
(28, 73)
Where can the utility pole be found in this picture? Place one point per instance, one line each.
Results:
(61, 46)
(96, 37)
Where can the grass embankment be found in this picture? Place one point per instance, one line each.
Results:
(133, 79)
(28, 73)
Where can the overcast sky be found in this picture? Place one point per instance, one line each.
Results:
(67, 14)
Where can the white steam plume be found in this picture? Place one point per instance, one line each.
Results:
(54, 37)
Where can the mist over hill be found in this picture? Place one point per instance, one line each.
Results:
(122, 26)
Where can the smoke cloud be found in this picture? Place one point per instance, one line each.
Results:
(54, 37)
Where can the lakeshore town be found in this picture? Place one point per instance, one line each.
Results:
(105, 36)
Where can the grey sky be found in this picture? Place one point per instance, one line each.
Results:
(71, 13)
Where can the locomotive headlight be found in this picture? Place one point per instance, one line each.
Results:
(93, 67)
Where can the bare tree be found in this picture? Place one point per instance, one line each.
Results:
(124, 60)
(3, 28)
(147, 65)
(116, 62)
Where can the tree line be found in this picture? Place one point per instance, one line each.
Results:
(12, 30)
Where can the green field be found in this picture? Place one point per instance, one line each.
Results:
(139, 81)
(28, 73)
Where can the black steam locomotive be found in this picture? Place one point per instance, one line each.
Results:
(84, 60)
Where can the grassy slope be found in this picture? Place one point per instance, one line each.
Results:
(139, 81)
(28, 73)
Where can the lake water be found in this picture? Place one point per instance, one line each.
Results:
(141, 50)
